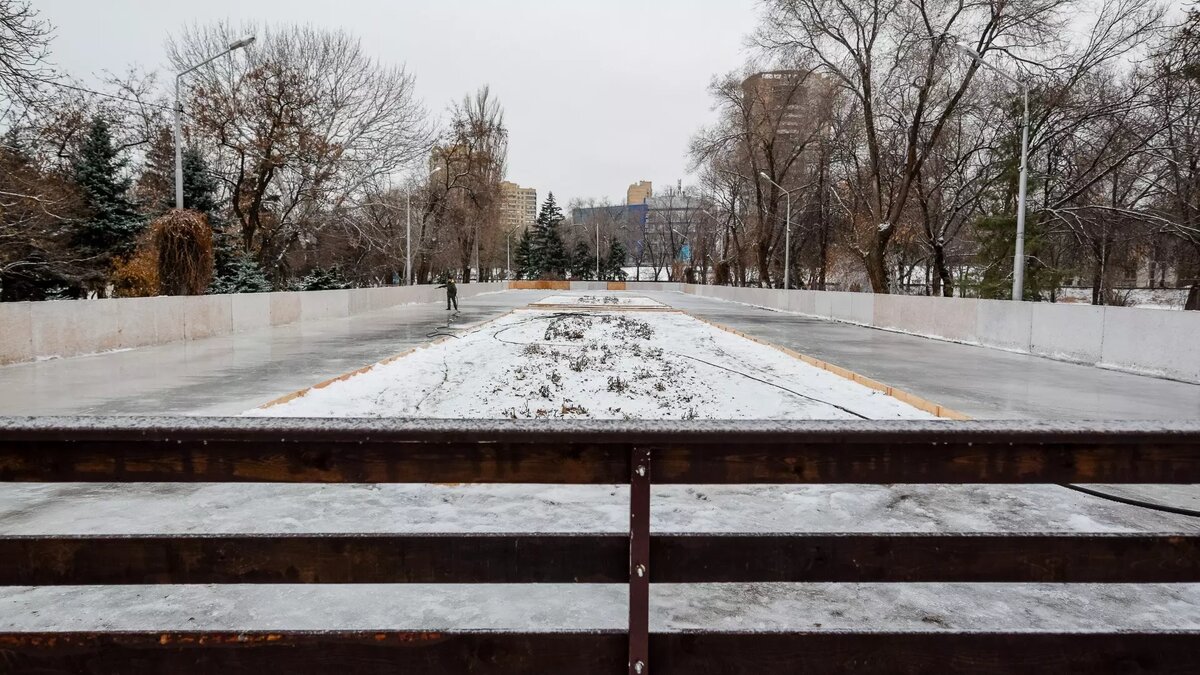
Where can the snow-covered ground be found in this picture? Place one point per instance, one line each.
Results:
(1142, 298)
(535, 364)
(599, 300)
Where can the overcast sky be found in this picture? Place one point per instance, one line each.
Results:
(598, 93)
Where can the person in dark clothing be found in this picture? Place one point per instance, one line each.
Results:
(451, 293)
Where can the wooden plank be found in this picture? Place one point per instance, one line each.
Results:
(313, 461)
(593, 452)
(967, 457)
(1078, 558)
(598, 558)
(599, 654)
(920, 653)
(358, 653)
(317, 558)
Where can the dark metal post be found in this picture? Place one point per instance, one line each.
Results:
(639, 562)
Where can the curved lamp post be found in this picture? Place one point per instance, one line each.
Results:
(787, 233)
(233, 46)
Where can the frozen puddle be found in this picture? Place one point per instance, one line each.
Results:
(535, 364)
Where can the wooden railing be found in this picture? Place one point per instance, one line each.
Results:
(638, 454)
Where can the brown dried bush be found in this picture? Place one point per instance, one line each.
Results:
(184, 242)
(136, 276)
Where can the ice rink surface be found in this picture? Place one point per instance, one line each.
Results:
(230, 374)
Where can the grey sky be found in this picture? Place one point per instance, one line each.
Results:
(598, 93)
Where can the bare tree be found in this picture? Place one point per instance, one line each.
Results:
(771, 123)
(24, 46)
(301, 125)
(474, 155)
(895, 58)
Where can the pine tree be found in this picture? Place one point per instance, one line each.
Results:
(112, 224)
(239, 273)
(997, 245)
(614, 264)
(548, 254)
(583, 263)
(199, 185)
(155, 189)
(524, 257)
(322, 279)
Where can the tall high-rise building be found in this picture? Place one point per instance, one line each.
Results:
(518, 206)
(793, 102)
(639, 192)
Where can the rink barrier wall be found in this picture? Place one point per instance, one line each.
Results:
(31, 331)
(1145, 341)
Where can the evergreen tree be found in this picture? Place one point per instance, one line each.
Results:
(548, 254)
(156, 186)
(614, 264)
(321, 279)
(998, 245)
(199, 185)
(583, 263)
(155, 189)
(524, 260)
(238, 272)
(112, 225)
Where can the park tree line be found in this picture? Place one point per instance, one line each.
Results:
(543, 252)
(295, 155)
(901, 152)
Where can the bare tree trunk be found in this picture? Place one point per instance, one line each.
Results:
(876, 261)
(943, 281)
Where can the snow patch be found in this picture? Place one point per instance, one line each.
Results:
(535, 364)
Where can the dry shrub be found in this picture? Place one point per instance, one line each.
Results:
(184, 243)
(136, 276)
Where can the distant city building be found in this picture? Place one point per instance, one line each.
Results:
(518, 206)
(617, 216)
(675, 217)
(791, 101)
(639, 192)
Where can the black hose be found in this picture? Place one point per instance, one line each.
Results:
(772, 384)
(1177, 510)
(440, 331)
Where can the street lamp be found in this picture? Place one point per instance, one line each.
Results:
(1018, 288)
(787, 233)
(233, 46)
(408, 231)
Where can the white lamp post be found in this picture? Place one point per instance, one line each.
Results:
(787, 234)
(244, 42)
(1018, 287)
